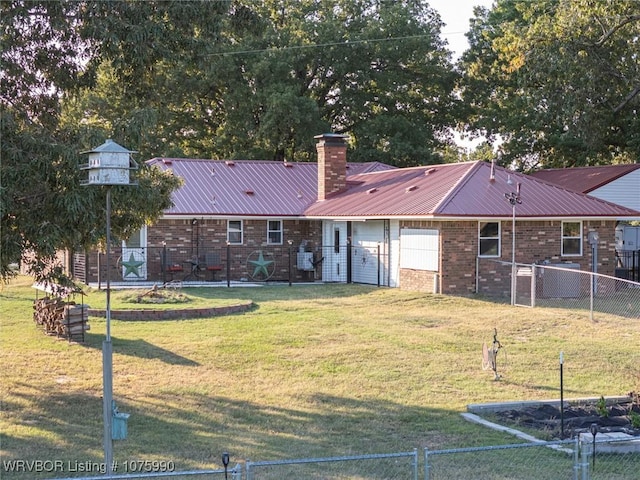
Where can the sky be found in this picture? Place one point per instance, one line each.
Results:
(456, 14)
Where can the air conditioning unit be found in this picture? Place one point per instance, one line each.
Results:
(558, 283)
(305, 261)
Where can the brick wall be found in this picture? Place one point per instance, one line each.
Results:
(184, 238)
(536, 241)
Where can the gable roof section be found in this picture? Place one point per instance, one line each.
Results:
(246, 187)
(585, 179)
(458, 190)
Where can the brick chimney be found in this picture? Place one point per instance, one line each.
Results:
(332, 163)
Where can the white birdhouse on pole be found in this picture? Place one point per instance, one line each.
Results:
(109, 164)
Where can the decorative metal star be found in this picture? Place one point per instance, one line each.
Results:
(261, 265)
(131, 266)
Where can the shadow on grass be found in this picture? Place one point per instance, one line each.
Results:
(193, 429)
(139, 348)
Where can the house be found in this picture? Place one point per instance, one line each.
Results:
(434, 228)
(615, 183)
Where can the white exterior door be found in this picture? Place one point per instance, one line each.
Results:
(369, 260)
(133, 262)
(334, 239)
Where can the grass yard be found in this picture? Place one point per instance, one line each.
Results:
(311, 371)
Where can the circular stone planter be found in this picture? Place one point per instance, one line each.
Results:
(171, 314)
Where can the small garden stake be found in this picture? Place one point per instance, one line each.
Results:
(225, 462)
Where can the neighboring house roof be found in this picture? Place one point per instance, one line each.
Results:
(458, 190)
(585, 179)
(247, 187)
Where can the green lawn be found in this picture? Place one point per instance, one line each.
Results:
(311, 371)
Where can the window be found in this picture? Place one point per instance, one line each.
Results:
(489, 239)
(274, 232)
(571, 239)
(234, 232)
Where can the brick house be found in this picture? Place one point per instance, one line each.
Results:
(426, 228)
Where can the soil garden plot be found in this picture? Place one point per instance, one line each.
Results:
(546, 418)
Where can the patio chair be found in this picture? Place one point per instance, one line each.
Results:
(170, 266)
(213, 264)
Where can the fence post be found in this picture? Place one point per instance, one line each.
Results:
(591, 291)
(426, 463)
(576, 458)
(228, 264)
(584, 463)
(534, 275)
(378, 264)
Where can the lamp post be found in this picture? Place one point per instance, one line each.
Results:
(514, 199)
(109, 164)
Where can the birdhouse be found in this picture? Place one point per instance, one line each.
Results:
(109, 164)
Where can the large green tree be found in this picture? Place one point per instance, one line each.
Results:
(248, 79)
(231, 79)
(43, 208)
(557, 81)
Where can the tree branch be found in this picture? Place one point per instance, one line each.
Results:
(607, 35)
(627, 99)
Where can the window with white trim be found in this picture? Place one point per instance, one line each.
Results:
(489, 239)
(571, 239)
(274, 232)
(234, 232)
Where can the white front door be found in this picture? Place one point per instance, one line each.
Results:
(134, 256)
(369, 252)
(334, 264)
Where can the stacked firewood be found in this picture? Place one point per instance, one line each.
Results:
(60, 318)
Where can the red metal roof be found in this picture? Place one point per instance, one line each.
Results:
(247, 187)
(458, 190)
(250, 188)
(585, 179)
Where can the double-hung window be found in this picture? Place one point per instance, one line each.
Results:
(274, 232)
(234, 232)
(571, 239)
(489, 239)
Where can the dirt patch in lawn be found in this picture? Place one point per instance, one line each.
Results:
(548, 419)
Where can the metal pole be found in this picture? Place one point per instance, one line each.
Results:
(561, 397)
(513, 255)
(228, 265)
(289, 263)
(378, 264)
(107, 357)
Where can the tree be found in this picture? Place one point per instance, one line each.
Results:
(272, 74)
(556, 80)
(43, 208)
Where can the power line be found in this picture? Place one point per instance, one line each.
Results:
(317, 45)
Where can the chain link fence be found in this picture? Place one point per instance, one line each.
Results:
(601, 457)
(561, 286)
(403, 465)
(527, 461)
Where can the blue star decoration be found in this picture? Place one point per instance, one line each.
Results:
(131, 266)
(261, 265)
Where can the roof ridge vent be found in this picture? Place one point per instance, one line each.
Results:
(288, 165)
(430, 171)
(229, 163)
